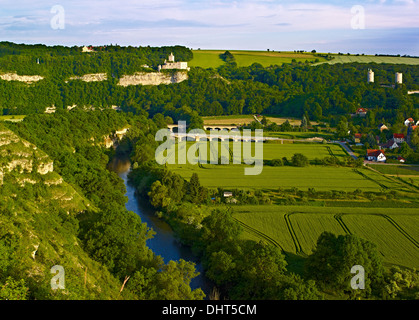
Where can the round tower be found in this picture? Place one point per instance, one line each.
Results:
(370, 76)
(399, 78)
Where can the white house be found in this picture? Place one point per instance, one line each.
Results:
(376, 155)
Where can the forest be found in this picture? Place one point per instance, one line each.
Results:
(323, 92)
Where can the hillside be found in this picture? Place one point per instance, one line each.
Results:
(38, 228)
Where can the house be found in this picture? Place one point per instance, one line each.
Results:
(87, 49)
(398, 137)
(382, 127)
(409, 121)
(375, 155)
(357, 137)
(362, 112)
(228, 194)
(390, 144)
(401, 159)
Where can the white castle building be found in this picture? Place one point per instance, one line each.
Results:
(173, 65)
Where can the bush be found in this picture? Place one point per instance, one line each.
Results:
(299, 160)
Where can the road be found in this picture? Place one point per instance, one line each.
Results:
(345, 146)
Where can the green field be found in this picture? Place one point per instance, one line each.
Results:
(371, 59)
(296, 228)
(322, 178)
(211, 59)
(396, 170)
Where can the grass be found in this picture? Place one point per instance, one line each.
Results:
(211, 59)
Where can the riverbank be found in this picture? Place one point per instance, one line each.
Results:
(164, 243)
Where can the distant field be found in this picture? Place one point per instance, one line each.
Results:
(210, 58)
(296, 228)
(246, 119)
(371, 59)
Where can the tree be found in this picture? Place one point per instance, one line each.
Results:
(334, 256)
(304, 123)
(158, 195)
(13, 290)
(299, 160)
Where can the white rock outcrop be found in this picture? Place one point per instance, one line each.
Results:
(152, 78)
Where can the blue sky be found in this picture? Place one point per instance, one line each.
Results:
(389, 26)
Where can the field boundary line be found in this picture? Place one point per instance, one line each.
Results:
(338, 218)
(401, 230)
(370, 179)
(298, 248)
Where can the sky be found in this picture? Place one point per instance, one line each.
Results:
(364, 26)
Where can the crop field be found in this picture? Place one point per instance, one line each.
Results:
(371, 59)
(401, 170)
(322, 178)
(211, 59)
(296, 229)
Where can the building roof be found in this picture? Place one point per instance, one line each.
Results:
(361, 110)
(358, 135)
(374, 152)
(398, 135)
(388, 144)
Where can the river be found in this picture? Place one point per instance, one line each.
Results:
(164, 242)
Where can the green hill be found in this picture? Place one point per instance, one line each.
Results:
(38, 229)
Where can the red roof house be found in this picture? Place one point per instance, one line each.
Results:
(375, 155)
(398, 137)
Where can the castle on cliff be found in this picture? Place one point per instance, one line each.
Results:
(171, 64)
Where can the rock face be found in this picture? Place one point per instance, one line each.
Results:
(19, 155)
(15, 77)
(92, 77)
(153, 78)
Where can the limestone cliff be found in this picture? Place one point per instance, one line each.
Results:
(91, 77)
(153, 78)
(15, 77)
